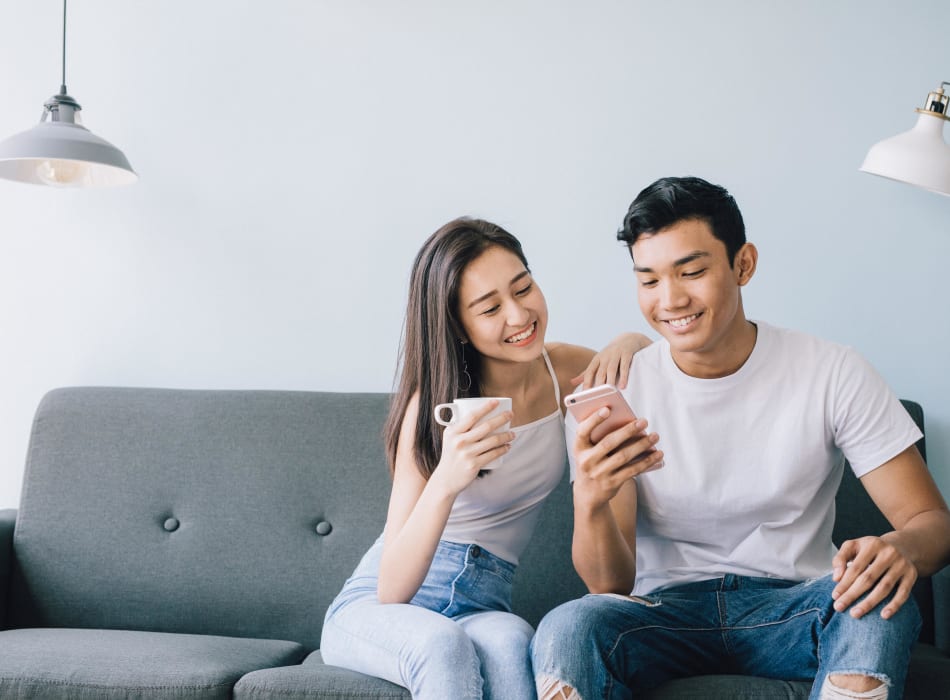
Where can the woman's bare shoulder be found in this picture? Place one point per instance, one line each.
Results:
(569, 360)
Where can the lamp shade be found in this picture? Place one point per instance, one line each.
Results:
(920, 156)
(65, 154)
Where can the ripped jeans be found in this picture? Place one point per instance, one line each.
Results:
(456, 639)
(610, 646)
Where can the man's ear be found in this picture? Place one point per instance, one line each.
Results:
(746, 259)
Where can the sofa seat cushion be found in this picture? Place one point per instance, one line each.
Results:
(89, 664)
(315, 680)
(928, 675)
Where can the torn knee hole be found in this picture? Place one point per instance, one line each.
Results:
(854, 686)
(550, 688)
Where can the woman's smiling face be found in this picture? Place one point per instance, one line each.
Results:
(502, 310)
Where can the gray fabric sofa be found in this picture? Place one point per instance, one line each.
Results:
(185, 544)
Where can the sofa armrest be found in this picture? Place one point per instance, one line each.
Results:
(7, 523)
(941, 588)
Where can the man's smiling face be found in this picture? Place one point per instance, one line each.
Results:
(690, 294)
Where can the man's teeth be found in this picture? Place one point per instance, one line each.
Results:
(521, 336)
(680, 322)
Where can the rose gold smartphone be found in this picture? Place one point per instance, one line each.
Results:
(583, 404)
(586, 402)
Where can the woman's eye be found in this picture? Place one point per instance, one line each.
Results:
(522, 292)
(490, 311)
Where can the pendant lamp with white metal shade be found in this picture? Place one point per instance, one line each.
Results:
(60, 151)
(920, 156)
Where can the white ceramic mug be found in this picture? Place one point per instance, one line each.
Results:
(462, 408)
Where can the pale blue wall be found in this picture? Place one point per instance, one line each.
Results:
(294, 154)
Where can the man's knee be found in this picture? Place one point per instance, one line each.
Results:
(551, 688)
(854, 686)
(563, 629)
(893, 635)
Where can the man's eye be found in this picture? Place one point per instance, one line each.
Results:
(647, 283)
(694, 273)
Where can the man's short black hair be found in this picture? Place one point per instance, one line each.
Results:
(673, 199)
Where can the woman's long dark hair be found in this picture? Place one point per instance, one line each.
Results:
(433, 353)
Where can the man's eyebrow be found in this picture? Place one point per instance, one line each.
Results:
(685, 260)
(493, 292)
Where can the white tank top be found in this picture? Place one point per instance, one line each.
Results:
(498, 511)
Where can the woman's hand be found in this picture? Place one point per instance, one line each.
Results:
(612, 364)
(468, 446)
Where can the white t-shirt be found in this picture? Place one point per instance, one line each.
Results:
(754, 459)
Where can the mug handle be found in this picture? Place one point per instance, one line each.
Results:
(438, 413)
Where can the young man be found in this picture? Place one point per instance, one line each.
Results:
(723, 559)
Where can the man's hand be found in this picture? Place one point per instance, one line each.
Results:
(605, 501)
(875, 567)
(603, 467)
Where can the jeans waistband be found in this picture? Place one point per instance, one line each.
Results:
(474, 553)
(728, 582)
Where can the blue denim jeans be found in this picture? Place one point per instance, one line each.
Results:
(609, 646)
(457, 638)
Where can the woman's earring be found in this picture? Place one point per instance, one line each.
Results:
(466, 378)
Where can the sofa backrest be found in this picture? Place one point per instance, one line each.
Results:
(236, 513)
(217, 512)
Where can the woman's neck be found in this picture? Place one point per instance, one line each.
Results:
(526, 383)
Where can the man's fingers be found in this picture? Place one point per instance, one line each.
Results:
(867, 572)
(634, 456)
(586, 426)
(856, 560)
(622, 435)
(901, 595)
(876, 592)
(840, 562)
(890, 584)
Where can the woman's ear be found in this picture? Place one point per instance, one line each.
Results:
(746, 260)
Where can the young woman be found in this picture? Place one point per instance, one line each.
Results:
(428, 607)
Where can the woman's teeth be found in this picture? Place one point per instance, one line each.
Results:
(524, 334)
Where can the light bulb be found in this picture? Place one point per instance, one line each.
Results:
(62, 173)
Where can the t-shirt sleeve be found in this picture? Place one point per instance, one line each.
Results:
(870, 424)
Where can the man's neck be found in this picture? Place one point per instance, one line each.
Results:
(726, 358)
